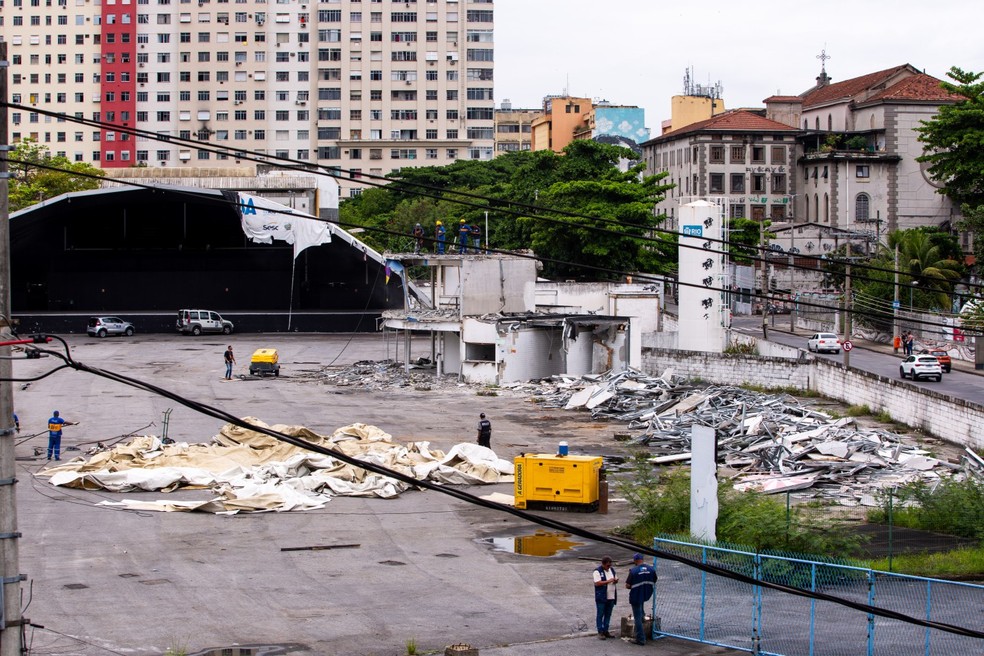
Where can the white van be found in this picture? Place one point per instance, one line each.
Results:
(197, 322)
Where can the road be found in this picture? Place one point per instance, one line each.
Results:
(963, 382)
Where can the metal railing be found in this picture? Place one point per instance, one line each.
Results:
(713, 609)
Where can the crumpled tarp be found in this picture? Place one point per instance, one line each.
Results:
(251, 471)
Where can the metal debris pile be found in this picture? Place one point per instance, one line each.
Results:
(766, 442)
(379, 374)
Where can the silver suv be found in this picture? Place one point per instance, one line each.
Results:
(197, 322)
(102, 326)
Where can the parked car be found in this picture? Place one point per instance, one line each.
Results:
(942, 356)
(197, 322)
(824, 342)
(104, 326)
(921, 366)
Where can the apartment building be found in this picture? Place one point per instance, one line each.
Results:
(364, 87)
(513, 128)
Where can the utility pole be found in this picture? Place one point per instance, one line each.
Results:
(847, 315)
(10, 576)
(765, 281)
(895, 303)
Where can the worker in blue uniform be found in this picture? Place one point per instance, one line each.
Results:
(641, 584)
(439, 237)
(464, 234)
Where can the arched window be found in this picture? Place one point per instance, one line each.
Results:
(807, 209)
(806, 124)
(818, 123)
(826, 208)
(816, 206)
(830, 123)
(862, 207)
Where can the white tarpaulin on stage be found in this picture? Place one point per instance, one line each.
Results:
(245, 470)
(265, 220)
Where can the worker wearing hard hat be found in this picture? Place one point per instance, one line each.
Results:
(464, 232)
(439, 236)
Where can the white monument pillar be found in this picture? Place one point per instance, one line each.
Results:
(703, 483)
(702, 305)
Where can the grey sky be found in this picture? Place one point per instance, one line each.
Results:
(635, 52)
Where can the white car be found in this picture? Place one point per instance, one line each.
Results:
(197, 322)
(824, 342)
(921, 366)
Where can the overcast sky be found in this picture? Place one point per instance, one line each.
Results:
(636, 52)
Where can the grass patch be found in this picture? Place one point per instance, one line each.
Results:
(662, 504)
(858, 411)
(741, 348)
(952, 507)
(885, 418)
(961, 564)
(486, 392)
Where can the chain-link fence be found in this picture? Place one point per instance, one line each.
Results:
(889, 525)
(715, 609)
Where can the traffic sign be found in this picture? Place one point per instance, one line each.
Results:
(847, 345)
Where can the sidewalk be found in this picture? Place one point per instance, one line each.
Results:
(589, 645)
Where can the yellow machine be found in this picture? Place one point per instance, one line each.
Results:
(555, 482)
(265, 362)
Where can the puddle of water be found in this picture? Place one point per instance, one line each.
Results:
(541, 543)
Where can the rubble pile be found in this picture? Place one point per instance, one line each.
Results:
(378, 375)
(766, 442)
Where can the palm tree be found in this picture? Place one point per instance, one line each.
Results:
(926, 267)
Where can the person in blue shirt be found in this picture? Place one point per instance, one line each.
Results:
(606, 596)
(55, 434)
(641, 584)
(16, 423)
(439, 237)
(464, 234)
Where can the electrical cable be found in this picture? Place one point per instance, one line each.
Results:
(766, 251)
(399, 185)
(643, 276)
(376, 468)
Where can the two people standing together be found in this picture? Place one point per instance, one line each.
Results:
(641, 584)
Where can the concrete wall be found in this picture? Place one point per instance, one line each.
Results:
(950, 419)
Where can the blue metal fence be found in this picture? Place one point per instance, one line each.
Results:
(717, 610)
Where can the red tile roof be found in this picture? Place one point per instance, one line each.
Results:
(917, 87)
(736, 120)
(783, 99)
(850, 88)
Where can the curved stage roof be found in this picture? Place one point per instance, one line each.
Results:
(152, 251)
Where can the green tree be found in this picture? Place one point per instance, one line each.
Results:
(954, 140)
(529, 198)
(37, 175)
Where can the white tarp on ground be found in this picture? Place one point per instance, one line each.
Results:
(249, 471)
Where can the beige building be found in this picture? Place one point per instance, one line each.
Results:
(513, 128)
(361, 87)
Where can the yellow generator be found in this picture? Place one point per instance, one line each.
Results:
(556, 482)
(265, 362)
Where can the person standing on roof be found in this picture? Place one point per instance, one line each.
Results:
(439, 236)
(463, 235)
(484, 431)
(476, 236)
(418, 238)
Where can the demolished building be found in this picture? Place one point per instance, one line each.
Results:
(492, 321)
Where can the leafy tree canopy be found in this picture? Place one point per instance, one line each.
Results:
(954, 140)
(576, 210)
(31, 184)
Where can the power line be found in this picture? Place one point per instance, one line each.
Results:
(767, 295)
(487, 203)
(218, 413)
